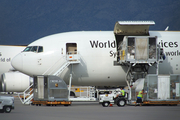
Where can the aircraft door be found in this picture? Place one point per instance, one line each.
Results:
(71, 48)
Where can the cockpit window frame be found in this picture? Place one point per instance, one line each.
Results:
(35, 49)
(27, 49)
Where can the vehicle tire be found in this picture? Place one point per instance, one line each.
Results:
(2, 111)
(105, 104)
(7, 109)
(72, 93)
(121, 102)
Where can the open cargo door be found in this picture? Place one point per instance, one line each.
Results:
(132, 28)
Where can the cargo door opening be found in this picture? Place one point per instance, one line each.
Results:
(71, 48)
(71, 52)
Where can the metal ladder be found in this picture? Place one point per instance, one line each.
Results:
(64, 66)
(27, 95)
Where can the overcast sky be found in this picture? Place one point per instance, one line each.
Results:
(24, 21)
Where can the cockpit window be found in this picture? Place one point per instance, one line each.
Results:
(27, 49)
(36, 49)
(40, 49)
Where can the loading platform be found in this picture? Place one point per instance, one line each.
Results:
(137, 50)
(51, 103)
(161, 102)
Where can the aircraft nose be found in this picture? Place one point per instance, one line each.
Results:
(17, 62)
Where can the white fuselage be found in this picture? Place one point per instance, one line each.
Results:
(97, 52)
(7, 52)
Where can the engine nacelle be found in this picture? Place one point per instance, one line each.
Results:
(14, 82)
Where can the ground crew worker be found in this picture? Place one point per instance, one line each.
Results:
(122, 92)
(139, 97)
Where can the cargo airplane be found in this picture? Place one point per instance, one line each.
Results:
(16, 80)
(91, 56)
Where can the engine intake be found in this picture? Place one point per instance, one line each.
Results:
(14, 82)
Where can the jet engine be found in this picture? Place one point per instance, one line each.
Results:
(14, 82)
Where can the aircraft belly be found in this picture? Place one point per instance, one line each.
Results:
(96, 80)
(115, 75)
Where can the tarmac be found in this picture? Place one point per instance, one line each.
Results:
(91, 111)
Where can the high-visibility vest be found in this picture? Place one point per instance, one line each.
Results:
(122, 91)
(140, 94)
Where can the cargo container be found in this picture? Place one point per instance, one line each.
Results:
(50, 90)
(159, 89)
